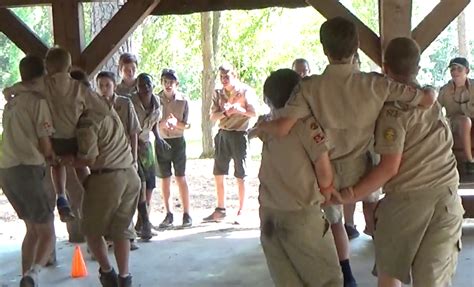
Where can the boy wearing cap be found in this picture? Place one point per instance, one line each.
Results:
(419, 221)
(174, 121)
(233, 106)
(27, 126)
(336, 99)
(457, 97)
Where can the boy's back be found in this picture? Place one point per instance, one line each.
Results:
(287, 179)
(346, 102)
(26, 118)
(428, 160)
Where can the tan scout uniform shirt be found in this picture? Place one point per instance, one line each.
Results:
(347, 102)
(67, 99)
(287, 179)
(459, 101)
(126, 91)
(425, 140)
(178, 106)
(101, 136)
(242, 94)
(26, 118)
(147, 118)
(126, 111)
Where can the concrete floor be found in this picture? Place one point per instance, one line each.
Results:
(206, 255)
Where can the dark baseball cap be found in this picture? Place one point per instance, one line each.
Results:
(169, 73)
(459, 61)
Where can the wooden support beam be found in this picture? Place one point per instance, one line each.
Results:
(22, 3)
(20, 34)
(112, 36)
(394, 20)
(438, 19)
(68, 27)
(167, 7)
(369, 41)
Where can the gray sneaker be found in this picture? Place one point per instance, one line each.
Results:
(187, 220)
(168, 221)
(217, 216)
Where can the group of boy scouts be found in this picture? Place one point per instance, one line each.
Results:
(318, 145)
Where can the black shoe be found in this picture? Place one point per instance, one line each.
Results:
(217, 216)
(187, 221)
(64, 210)
(168, 221)
(125, 282)
(109, 279)
(351, 231)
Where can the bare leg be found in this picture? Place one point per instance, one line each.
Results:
(28, 247)
(341, 240)
(58, 176)
(465, 125)
(82, 173)
(219, 179)
(369, 210)
(45, 237)
(166, 192)
(98, 247)
(122, 254)
(183, 192)
(387, 281)
(349, 210)
(149, 193)
(241, 185)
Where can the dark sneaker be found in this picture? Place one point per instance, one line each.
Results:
(187, 221)
(109, 279)
(29, 280)
(146, 233)
(351, 231)
(64, 210)
(216, 216)
(125, 282)
(133, 245)
(168, 221)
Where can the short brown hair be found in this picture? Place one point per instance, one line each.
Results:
(106, 75)
(58, 59)
(339, 38)
(402, 56)
(278, 87)
(227, 68)
(81, 76)
(31, 67)
(127, 58)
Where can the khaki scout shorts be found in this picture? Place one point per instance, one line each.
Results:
(110, 200)
(419, 233)
(299, 248)
(347, 173)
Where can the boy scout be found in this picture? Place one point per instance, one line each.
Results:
(421, 212)
(336, 99)
(295, 236)
(111, 190)
(174, 121)
(457, 97)
(125, 110)
(147, 107)
(127, 66)
(233, 106)
(27, 126)
(67, 99)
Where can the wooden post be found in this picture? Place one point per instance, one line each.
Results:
(68, 26)
(394, 20)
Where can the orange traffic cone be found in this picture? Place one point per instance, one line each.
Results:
(79, 268)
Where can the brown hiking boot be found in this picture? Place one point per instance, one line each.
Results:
(109, 279)
(217, 216)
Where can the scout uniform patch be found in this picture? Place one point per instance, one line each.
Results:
(390, 135)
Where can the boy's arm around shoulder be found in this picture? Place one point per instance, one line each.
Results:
(35, 86)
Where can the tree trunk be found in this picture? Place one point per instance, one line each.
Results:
(207, 83)
(462, 43)
(102, 12)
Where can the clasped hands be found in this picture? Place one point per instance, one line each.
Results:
(343, 196)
